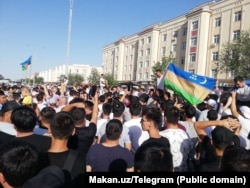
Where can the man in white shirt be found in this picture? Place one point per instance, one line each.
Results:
(102, 84)
(160, 79)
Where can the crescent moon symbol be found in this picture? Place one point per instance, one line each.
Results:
(204, 81)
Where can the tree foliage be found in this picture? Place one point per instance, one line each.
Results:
(162, 65)
(75, 79)
(94, 77)
(235, 56)
(111, 80)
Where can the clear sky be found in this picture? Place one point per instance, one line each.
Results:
(40, 28)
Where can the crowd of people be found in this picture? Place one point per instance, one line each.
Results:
(53, 135)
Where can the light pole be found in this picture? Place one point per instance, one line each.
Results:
(69, 34)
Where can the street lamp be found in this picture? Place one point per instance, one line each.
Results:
(69, 34)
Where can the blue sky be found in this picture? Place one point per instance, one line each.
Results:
(40, 29)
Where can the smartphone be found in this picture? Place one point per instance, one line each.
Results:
(93, 90)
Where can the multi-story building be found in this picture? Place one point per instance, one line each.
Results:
(52, 75)
(195, 39)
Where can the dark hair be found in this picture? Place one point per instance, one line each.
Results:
(190, 111)
(212, 115)
(107, 108)
(62, 125)
(238, 78)
(153, 114)
(135, 108)
(235, 159)
(47, 114)
(24, 118)
(76, 100)
(172, 114)
(153, 157)
(113, 129)
(118, 108)
(19, 162)
(79, 115)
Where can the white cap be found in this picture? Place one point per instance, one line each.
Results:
(212, 103)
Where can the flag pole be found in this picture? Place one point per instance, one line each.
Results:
(30, 71)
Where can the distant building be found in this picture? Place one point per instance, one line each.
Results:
(52, 75)
(195, 39)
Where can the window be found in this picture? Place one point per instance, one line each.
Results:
(126, 58)
(147, 64)
(182, 60)
(237, 16)
(148, 51)
(191, 71)
(141, 53)
(130, 67)
(146, 75)
(140, 64)
(236, 34)
(217, 22)
(194, 25)
(163, 50)
(192, 57)
(174, 48)
(184, 31)
(194, 41)
(175, 35)
(216, 39)
(232, 73)
(142, 42)
(139, 76)
(149, 40)
(184, 44)
(215, 56)
(131, 57)
(214, 73)
(164, 37)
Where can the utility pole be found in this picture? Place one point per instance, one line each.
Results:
(69, 34)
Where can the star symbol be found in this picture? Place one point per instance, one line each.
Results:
(193, 77)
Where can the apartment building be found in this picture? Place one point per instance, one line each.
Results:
(195, 39)
(52, 75)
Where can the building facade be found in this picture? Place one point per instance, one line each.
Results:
(195, 39)
(52, 75)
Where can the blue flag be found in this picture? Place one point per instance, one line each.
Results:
(26, 63)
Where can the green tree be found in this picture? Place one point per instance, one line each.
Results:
(235, 56)
(61, 77)
(75, 79)
(94, 77)
(162, 65)
(111, 80)
(39, 80)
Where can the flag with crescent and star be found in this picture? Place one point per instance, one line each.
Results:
(192, 87)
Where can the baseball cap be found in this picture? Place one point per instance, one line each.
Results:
(212, 103)
(222, 135)
(9, 106)
(52, 100)
(245, 110)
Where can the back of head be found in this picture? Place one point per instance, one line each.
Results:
(190, 111)
(118, 108)
(114, 129)
(24, 118)
(19, 162)
(106, 108)
(79, 115)
(135, 108)
(62, 125)
(212, 115)
(76, 100)
(235, 159)
(172, 114)
(9, 106)
(47, 114)
(153, 157)
(222, 137)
